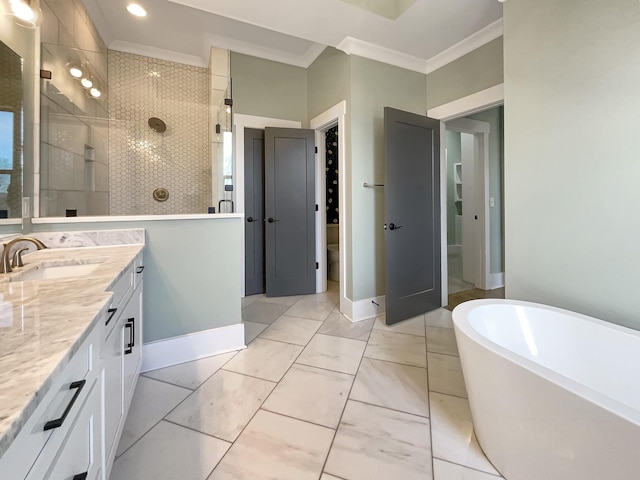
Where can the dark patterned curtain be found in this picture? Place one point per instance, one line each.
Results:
(332, 174)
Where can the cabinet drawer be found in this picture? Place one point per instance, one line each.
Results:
(122, 288)
(138, 266)
(121, 291)
(79, 452)
(56, 412)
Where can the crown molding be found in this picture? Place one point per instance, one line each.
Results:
(481, 37)
(266, 53)
(354, 46)
(153, 52)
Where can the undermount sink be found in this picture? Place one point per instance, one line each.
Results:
(47, 271)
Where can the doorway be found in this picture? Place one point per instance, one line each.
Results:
(457, 155)
(475, 240)
(332, 204)
(334, 117)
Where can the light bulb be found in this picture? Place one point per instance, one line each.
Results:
(23, 11)
(86, 83)
(95, 93)
(137, 10)
(75, 72)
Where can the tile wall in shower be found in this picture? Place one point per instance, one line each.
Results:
(142, 159)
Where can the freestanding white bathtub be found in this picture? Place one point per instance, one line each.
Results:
(554, 395)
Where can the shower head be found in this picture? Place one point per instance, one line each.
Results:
(157, 125)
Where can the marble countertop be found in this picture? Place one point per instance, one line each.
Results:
(44, 322)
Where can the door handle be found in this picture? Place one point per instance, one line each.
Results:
(393, 226)
(272, 220)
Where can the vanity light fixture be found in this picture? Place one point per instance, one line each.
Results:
(137, 10)
(95, 93)
(27, 12)
(86, 83)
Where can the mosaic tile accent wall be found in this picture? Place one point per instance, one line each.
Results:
(141, 159)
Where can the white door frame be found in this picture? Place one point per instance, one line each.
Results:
(240, 122)
(480, 131)
(482, 100)
(321, 123)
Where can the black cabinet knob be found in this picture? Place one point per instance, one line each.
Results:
(272, 220)
(250, 219)
(393, 226)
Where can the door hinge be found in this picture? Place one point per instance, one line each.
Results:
(316, 149)
(317, 265)
(316, 207)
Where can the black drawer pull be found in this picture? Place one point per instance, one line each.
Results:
(111, 312)
(51, 424)
(132, 337)
(140, 269)
(81, 476)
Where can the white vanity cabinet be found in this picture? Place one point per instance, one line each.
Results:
(68, 410)
(122, 360)
(73, 433)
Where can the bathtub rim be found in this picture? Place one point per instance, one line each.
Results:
(462, 326)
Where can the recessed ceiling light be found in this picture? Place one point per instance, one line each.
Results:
(86, 83)
(137, 10)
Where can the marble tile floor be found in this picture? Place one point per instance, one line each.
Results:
(313, 396)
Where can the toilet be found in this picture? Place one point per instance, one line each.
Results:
(333, 259)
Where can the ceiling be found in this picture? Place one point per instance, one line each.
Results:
(297, 31)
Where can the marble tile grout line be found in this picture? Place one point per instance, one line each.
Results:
(259, 408)
(345, 407)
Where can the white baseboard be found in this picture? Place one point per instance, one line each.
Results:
(186, 348)
(496, 280)
(364, 309)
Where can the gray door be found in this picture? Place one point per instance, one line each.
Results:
(290, 211)
(412, 214)
(254, 211)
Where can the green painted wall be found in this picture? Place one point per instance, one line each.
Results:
(572, 73)
(192, 272)
(268, 89)
(374, 85)
(494, 117)
(329, 83)
(471, 73)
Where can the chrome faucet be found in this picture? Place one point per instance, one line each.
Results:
(5, 265)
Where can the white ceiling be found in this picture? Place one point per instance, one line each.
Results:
(294, 31)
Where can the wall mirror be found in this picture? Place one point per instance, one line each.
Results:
(74, 133)
(17, 60)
